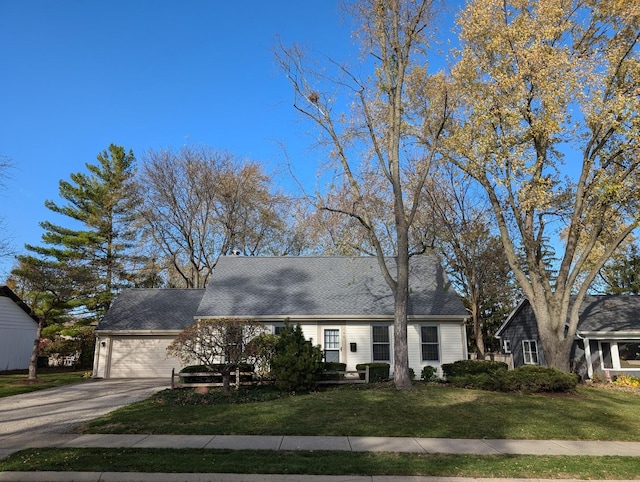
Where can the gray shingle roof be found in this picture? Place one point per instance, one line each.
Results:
(610, 313)
(598, 313)
(152, 309)
(322, 286)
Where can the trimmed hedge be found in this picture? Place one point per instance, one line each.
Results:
(472, 367)
(333, 367)
(524, 379)
(378, 372)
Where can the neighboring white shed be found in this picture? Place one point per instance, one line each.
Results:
(18, 328)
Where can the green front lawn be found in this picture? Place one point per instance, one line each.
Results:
(16, 382)
(322, 463)
(427, 411)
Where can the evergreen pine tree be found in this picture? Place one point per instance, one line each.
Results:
(297, 364)
(95, 248)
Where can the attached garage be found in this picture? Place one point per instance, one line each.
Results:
(136, 357)
(132, 338)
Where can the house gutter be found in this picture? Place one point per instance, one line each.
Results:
(338, 318)
(609, 335)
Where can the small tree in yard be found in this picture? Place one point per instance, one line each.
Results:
(297, 364)
(261, 351)
(220, 342)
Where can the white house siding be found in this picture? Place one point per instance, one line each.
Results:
(145, 355)
(451, 335)
(134, 357)
(360, 334)
(17, 334)
(451, 345)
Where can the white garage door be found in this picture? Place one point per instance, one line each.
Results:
(141, 357)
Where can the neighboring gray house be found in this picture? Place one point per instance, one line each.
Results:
(341, 303)
(18, 327)
(607, 339)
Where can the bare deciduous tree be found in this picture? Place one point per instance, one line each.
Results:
(211, 342)
(200, 204)
(391, 135)
(467, 239)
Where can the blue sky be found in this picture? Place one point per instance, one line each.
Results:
(78, 75)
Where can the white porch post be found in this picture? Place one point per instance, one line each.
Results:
(587, 357)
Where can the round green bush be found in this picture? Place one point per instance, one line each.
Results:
(429, 373)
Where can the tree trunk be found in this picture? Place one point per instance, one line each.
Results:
(477, 331)
(226, 378)
(555, 344)
(400, 346)
(33, 361)
(557, 351)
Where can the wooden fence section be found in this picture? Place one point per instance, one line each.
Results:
(352, 376)
(236, 376)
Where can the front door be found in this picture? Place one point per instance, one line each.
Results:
(331, 345)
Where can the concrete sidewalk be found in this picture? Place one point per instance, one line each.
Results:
(12, 443)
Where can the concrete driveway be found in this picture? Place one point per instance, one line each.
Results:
(61, 409)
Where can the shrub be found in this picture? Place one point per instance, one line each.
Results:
(429, 373)
(481, 381)
(261, 350)
(535, 379)
(378, 372)
(524, 379)
(333, 367)
(472, 367)
(297, 364)
(208, 341)
(412, 374)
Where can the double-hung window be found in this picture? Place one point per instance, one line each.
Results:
(381, 343)
(430, 345)
(331, 345)
(530, 352)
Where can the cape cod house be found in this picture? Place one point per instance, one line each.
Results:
(341, 303)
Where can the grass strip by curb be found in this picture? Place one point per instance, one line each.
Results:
(321, 463)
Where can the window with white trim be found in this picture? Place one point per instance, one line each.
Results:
(620, 355)
(506, 346)
(381, 343)
(629, 354)
(429, 343)
(530, 352)
(332, 345)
